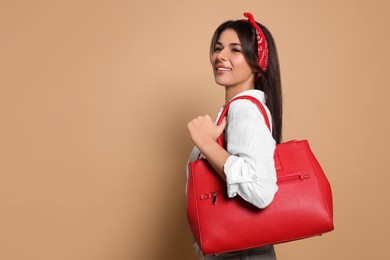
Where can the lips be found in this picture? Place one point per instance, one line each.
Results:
(223, 69)
(220, 68)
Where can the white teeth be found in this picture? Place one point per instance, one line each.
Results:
(224, 69)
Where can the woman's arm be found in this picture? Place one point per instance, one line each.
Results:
(247, 164)
(250, 169)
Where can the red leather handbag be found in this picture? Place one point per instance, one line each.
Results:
(302, 207)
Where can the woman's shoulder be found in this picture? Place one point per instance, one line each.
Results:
(244, 104)
(245, 109)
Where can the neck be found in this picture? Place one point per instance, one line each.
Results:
(236, 88)
(231, 92)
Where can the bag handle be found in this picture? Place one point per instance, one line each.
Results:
(221, 138)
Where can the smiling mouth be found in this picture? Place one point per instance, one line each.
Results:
(223, 69)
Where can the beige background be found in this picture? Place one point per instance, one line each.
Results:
(94, 101)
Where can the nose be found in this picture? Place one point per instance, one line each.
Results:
(222, 55)
(221, 58)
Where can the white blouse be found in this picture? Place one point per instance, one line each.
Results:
(250, 169)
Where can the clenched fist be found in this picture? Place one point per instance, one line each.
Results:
(203, 131)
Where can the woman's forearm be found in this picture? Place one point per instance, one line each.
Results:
(216, 156)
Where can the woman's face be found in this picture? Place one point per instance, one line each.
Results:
(228, 62)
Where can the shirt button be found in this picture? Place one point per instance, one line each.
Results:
(254, 177)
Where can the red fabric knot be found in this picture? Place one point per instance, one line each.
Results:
(262, 46)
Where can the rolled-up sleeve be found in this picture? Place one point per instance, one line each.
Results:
(250, 171)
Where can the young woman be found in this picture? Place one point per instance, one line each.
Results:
(245, 62)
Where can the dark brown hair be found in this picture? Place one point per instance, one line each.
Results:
(269, 82)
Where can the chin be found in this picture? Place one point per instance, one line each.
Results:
(222, 81)
(223, 84)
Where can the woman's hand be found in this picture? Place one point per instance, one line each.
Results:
(203, 131)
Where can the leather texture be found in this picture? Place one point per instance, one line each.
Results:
(302, 207)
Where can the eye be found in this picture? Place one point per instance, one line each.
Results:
(236, 50)
(217, 49)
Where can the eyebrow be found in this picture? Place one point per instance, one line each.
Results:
(231, 44)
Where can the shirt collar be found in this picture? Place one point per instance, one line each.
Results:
(254, 93)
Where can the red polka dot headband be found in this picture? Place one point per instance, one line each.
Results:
(262, 46)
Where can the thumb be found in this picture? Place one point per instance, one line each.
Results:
(222, 126)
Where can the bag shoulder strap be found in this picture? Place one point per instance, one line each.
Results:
(255, 101)
(221, 138)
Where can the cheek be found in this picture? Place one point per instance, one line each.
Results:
(212, 57)
(242, 64)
